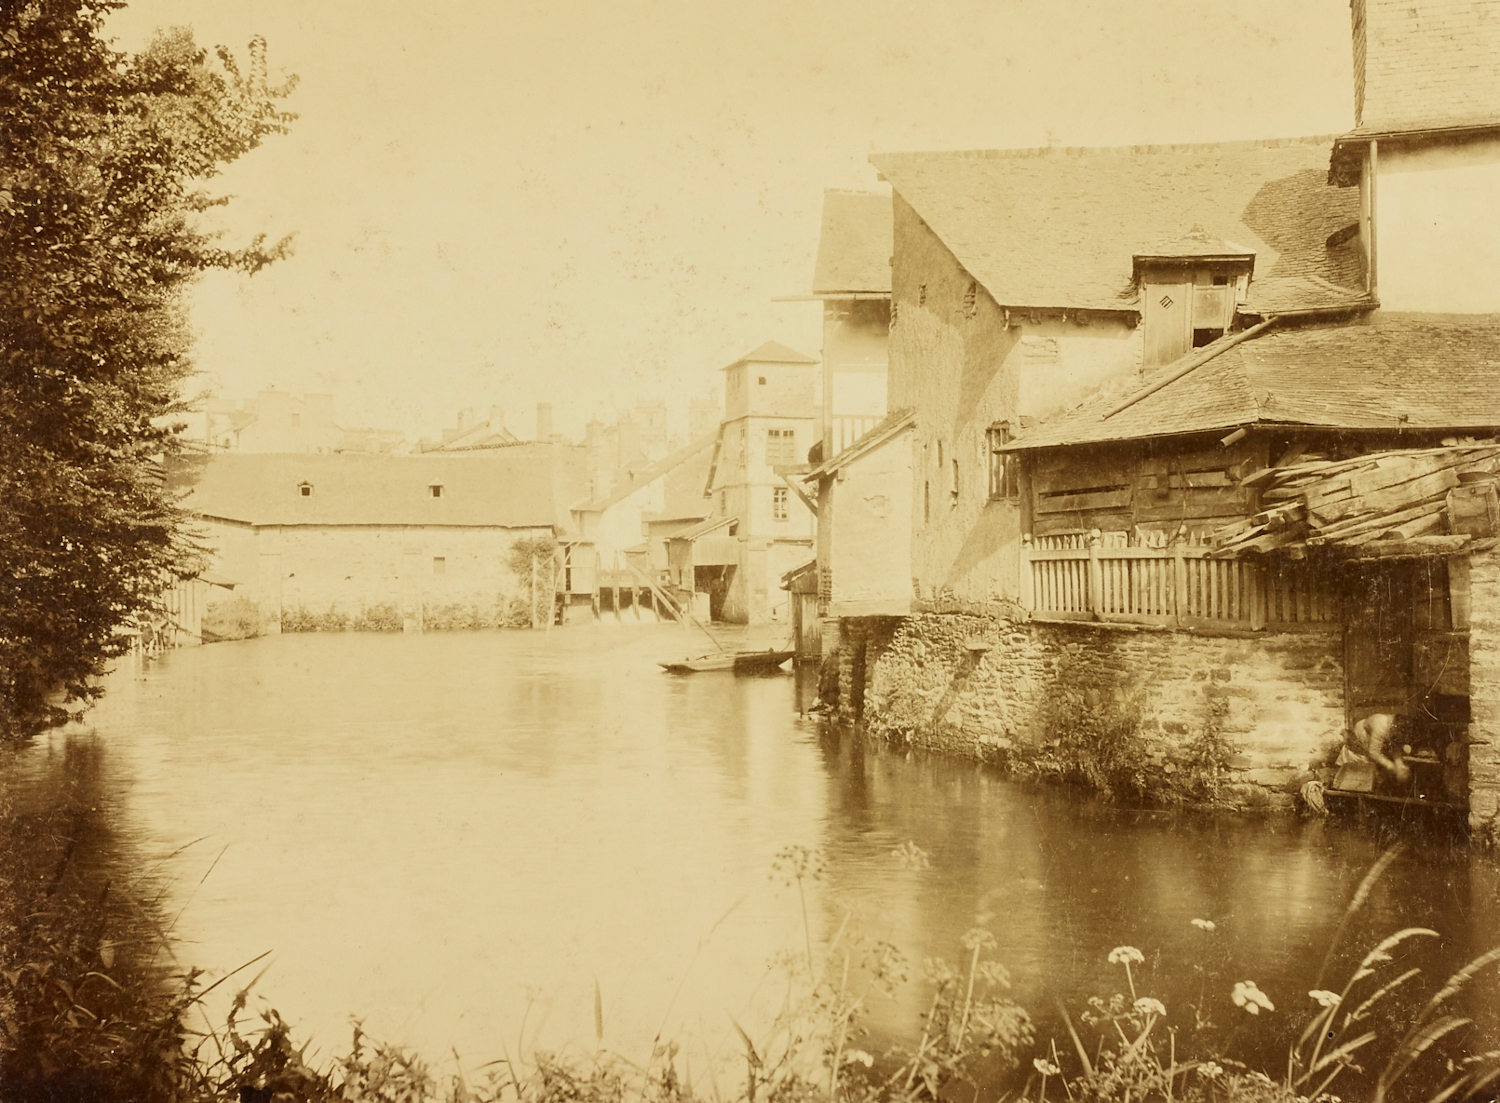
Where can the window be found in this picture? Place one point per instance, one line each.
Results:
(439, 564)
(305, 489)
(1004, 486)
(778, 503)
(296, 421)
(762, 381)
(436, 490)
(781, 447)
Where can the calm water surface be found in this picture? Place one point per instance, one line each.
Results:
(454, 836)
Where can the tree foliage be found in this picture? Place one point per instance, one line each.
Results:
(103, 161)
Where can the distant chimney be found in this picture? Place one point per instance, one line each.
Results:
(497, 418)
(544, 421)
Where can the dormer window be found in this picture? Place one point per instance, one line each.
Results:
(304, 490)
(1189, 289)
(435, 490)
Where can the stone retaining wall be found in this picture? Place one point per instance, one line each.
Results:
(990, 683)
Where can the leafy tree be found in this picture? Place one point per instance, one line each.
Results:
(533, 561)
(103, 158)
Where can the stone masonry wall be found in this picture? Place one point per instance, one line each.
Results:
(981, 684)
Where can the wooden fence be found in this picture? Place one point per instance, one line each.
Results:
(1177, 585)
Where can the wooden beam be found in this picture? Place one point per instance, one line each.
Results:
(797, 490)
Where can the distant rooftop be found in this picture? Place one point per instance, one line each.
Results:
(772, 352)
(520, 489)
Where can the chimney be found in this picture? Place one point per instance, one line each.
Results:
(544, 421)
(497, 418)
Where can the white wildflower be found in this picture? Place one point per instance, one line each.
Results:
(1251, 998)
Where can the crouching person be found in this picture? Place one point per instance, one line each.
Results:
(1370, 753)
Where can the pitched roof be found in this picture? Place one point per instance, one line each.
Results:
(887, 429)
(1059, 227)
(649, 474)
(516, 490)
(854, 245)
(772, 352)
(1196, 243)
(1385, 371)
(703, 528)
(483, 435)
(1426, 63)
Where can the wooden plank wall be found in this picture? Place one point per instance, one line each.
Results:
(1136, 489)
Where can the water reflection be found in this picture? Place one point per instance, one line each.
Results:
(453, 835)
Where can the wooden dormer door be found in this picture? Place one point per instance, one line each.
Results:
(1167, 318)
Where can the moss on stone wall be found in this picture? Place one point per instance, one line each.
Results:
(1161, 716)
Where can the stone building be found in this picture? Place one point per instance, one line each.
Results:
(758, 527)
(628, 531)
(1119, 365)
(861, 475)
(403, 535)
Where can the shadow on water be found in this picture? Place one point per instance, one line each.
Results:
(1069, 877)
(453, 835)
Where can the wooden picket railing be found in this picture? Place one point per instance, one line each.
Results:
(848, 428)
(1177, 585)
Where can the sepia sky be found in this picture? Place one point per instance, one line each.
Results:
(584, 202)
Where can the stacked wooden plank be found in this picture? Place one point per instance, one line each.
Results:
(1381, 498)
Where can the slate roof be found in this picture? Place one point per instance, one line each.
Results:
(1059, 227)
(772, 352)
(650, 473)
(483, 435)
(515, 490)
(1195, 243)
(1427, 63)
(1385, 371)
(704, 528)
(855, 243)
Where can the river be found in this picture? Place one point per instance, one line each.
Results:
(455, 837)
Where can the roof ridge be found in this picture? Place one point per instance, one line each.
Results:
(1063, 151)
